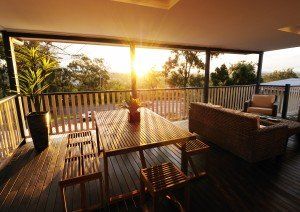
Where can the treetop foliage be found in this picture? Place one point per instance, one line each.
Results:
(221, 76)
(279, 75)
(241, 73)
(182, 66)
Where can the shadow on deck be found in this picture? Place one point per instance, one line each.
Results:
(30, 181)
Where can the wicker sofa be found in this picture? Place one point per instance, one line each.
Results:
(238, 132)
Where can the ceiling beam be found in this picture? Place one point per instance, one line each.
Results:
(122, 41)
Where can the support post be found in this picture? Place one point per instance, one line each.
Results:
(285, 103)
(259, 68)
(133, 71)
(206, 79)
(13, 78)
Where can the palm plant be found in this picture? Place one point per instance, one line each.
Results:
(35, 74)
(132, 104)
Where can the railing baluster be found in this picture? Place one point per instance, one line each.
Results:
(25, 105)
(74, 111)
(92, 109)
(85, 108)
(108, 101)
(61, 111)
(102, 101)
(53, 103)
(165, 106)
(161, 102)
(80, 111)
(113, 99)
(67, 105)
(96, 102)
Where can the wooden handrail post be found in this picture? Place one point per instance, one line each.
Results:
(285, 100)
(258, 76)
(133, 71)
(206, 79)
(13, 77)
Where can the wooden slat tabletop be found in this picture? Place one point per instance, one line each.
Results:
(118, 136)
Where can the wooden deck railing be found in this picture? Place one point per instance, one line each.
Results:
(10, 134)
(293, 99)
(69, 110)
(231, 96)
(74, 111)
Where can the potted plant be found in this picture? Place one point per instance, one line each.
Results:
(133, 104)
(33, 81)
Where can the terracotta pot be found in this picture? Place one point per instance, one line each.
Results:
(134, 116)
(39, 125)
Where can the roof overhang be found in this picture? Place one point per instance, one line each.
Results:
(251, 26)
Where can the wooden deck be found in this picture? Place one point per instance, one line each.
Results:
(30, 181)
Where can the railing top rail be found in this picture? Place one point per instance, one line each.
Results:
(84, 92)
(115, 91)
(276, 86)
(229, 86)
(5, 99)
(124, 91)
(280, 86)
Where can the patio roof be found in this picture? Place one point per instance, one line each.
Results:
(233, 24)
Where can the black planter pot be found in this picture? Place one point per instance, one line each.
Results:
(39, 125)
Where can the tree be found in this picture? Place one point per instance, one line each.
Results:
(118, 81)
(184, 67)
(221, 76)
(243, 73)
(279, 75)
(178, 69)
(4, 84)
(62, 81)
(196, 80)
(153, 79)
(89, 75)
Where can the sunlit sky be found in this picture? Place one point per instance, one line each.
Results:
(118, 58)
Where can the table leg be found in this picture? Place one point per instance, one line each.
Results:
(184, 160)
(106, 178)
(143, 161)
(83, 196)
(97, 139)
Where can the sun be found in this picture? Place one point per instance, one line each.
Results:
(141, 68)
(146, 59)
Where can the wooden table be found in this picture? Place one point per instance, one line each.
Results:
(117, 136)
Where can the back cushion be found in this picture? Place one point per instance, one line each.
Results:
(224, 119)
(263, 101)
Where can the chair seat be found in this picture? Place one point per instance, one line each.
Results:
(77, 167)
(194, 146)
(79, 144)
(260, 110)
(163, 177)
(79, 137)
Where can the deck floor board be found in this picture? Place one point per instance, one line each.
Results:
(30, 181)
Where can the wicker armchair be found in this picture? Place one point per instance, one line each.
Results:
(238, 132)
(262, 105)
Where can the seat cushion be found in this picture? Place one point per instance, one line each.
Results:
(260, 110)
(265, 101)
